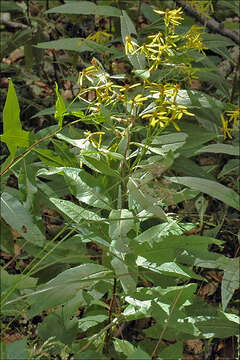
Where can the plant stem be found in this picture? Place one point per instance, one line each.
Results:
(166, 324)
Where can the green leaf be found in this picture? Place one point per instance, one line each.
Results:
(3, 351)
(100, 166)
(27, 185)
(233, 5)
(139, 354)
(143, 74)
(77, 44)
(56, 325)
(87, 322)
(6, 238)
(230, 280)
(75, 212)
(60, 108)
(164, 249)
(147, 202)
(156, 232)
(188, 167)
(10, 6)
(49, 157)
(123, 346)
(220, 326)
(121, 222)
(16, 215)
(122, 272)
(85, 187)
(127, 29)
(231, 167)
(17, 350)
(220, 149)
(212, 188)
(13, 135)
(213, 41)
(169, 268)
(89, 355)
(9, 281)
(85, 8)
(174, 351)
(67, 285)
(196, 136)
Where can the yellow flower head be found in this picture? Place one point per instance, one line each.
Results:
(171, 16)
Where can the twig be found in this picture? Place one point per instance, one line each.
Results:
(13, 26)
(235, 77)
(94, 337)
(209, 22)
(166, 324)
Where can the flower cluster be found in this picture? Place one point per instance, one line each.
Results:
(230, 120)
(168, 47)
(147, 99)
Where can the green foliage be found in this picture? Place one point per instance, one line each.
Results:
(121, 253)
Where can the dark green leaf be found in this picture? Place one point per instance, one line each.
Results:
(212, 188)
(85, 8)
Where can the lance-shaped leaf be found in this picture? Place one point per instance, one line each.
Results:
(147, 202)
(127, 29)
(13, 135)
(121, 222)
(66, 285)
(75, 212)
(16, 215)
(60, 108)
(212, 188)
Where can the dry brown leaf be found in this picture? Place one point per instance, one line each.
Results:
(6, 338)
(208, 289)
(194, 346)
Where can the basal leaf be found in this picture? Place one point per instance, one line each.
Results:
(77, 44)
(85, 8)
(212, 188)
(64, 330)
(220, 149)
(66, 285)
(16, 215)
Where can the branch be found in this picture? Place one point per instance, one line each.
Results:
(13, 26)
(210, 23)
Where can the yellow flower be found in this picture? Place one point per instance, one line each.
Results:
(131, 46)
(171, 16)
(234, 115)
